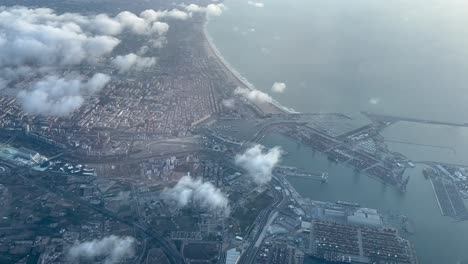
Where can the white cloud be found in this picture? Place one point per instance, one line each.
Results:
(97, 82)
(160, 27)
(194, 8)
(210, 10)
(103, 24)
(259, 162)
(177, 14)
(112, 248)
(155, 15)
(133, 62)
(39, 37)
(133, 22)
(374, 100)
(215, 9)
(255, 96)
(256, 4)
(202, 194)
(158, 42)
(278, 87)
(35, 42)
(229, 103)
(59, 96)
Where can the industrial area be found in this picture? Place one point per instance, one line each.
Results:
(126, 196)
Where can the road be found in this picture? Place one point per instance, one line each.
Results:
(138, 157)
(249, 255)
(169, 249)
(262, 221)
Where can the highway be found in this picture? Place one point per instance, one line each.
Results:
(249, 255)
(169, 249)
(262, 220)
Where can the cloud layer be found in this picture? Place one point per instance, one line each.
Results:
(59, 96)
(259, 162)
(255, 96)
(112, 248)
(278, 87)
(39, 37)
(35, 43)
(202, 194)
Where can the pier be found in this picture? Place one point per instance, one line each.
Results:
(294, 172)
(394, 119)
(449, 200)
(422, 145)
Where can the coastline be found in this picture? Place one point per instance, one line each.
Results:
(240, 80)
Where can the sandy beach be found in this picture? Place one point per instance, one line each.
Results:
(269, 108)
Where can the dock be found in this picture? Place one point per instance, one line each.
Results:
(295, 172)
(394, 119)
(449, 200)
(344, 243)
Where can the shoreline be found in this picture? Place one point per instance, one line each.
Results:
(241, 80)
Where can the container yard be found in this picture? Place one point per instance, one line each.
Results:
(345, 243)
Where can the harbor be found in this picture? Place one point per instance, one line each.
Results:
(446, 193)
(347, 186)
(344, 243)
(345, 183)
